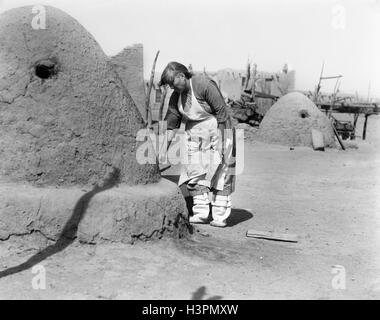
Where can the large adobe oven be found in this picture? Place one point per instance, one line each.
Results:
(290, 122)
(68, 138)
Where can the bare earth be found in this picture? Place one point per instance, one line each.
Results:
(329, 199)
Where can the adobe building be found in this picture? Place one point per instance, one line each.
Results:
(129, 64)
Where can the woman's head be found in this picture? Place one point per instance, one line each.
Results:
(175, 75)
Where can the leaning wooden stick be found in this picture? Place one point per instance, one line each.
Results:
(337, 136)
(162, 103)
(272, 236)
(147, 102)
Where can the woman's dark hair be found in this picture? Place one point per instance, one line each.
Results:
(171, 70)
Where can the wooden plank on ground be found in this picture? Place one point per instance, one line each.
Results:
(272, 235)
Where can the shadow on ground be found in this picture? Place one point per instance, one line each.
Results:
(238, 216)
(200, 294)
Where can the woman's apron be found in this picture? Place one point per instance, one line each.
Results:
(204, 162)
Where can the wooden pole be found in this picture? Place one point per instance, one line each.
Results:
(162, 104)
(365, 126)
(254, 74)
(356, 116)
(248, 74)
(337, 136)
(318, 88)
(336, 90)
(147, 101)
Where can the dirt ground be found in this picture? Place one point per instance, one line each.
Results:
(329, 199)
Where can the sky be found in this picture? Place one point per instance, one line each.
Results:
(218, 34)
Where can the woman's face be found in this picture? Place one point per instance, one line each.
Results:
(179, 83)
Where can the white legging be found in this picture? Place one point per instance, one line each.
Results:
(221, 207)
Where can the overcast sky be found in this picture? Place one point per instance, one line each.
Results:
(218, 34)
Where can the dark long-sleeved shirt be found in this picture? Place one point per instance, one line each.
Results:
(209, 97)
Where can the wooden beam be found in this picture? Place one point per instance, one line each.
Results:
(164, 91)
(148, 110)
(356, 117)
(333, 77)
(318, 87)
(365, 127)
(248, 74)
(272, 236)
(350, 108)
(337, 136)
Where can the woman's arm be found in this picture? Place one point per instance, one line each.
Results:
(173, 121)
(215, 100)
(173, 118)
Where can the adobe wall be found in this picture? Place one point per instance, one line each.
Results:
(129, 64)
